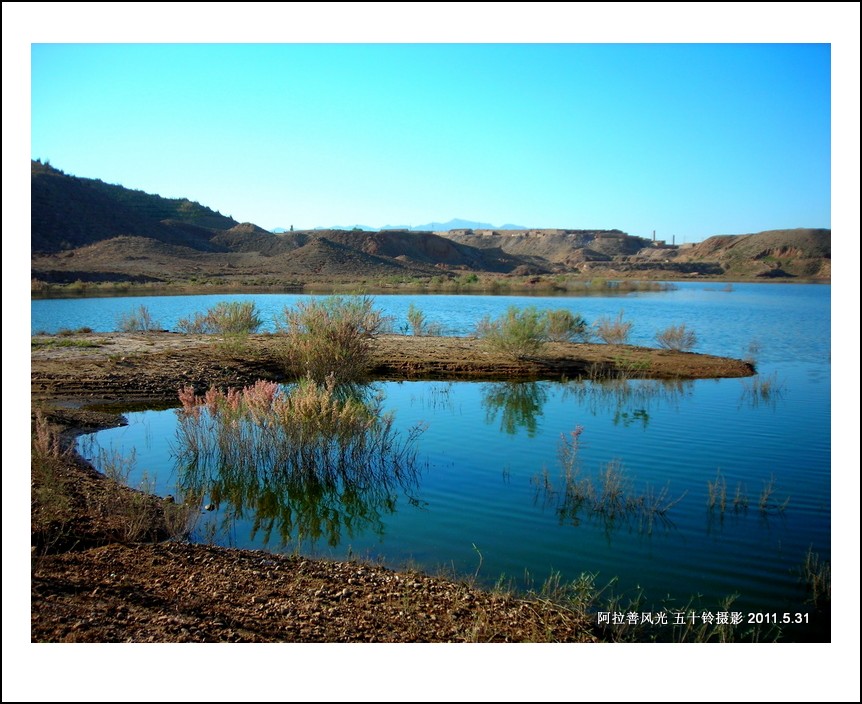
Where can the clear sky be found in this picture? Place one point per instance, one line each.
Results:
(689, 140)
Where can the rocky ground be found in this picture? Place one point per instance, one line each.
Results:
(102, 570)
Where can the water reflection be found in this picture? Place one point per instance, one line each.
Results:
(306, 463)
(518, 403)
(627, 401)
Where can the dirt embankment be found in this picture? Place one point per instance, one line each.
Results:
(142, 367)
(101, 574)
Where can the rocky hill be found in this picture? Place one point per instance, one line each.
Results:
(87, 230)
(773, 254)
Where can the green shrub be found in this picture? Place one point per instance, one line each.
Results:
(138, 320)
(677, 337)
(331, 337)
(521, 333)
(234, 318)
(517, 333)
(613, 332)
(565, 326)
(233, 321)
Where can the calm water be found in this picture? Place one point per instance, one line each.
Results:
(489, 478)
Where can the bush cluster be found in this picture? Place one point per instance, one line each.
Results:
(331, 337)
(520, 333)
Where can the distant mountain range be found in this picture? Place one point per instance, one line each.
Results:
(90, 231)
(454, 224)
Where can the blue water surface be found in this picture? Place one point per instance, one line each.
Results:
(488, 496)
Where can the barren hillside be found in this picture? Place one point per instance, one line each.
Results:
(86, 230)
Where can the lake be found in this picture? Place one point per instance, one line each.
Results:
(488, 495)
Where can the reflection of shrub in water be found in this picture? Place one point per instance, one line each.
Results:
(519, 403)
(627, 400)
(312, 461)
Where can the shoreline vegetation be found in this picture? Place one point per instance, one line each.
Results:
(110, 563)
(112, 368)
(467, 283)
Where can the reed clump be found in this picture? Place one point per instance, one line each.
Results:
(763, 389)
(717, 493)
(767, 501)
(311, 428)
(817, 577)
(310, 461)
(609, 495)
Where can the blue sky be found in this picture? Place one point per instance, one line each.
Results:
(689, 140)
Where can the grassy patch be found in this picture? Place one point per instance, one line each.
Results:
(41, 342)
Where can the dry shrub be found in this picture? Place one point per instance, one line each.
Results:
(613, 332)
(138, 320)
(677, 338)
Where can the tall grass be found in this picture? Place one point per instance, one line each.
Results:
(817, 577)
(418, 324)
(50, 493)
(122, 514)
(331, 337)
(565, 326)
(233, 321)
(309, 429)
(717, 493)
(416, 320)
(767, 500)
(766, 390)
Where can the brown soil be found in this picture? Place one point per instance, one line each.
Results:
(151, 367)
(94, 578)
